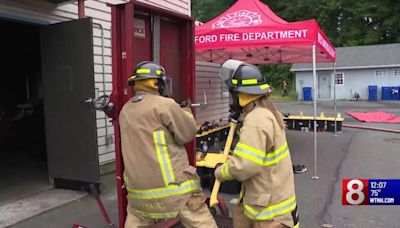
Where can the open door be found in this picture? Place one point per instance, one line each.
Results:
(68, 86)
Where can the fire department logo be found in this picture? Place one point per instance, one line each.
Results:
(241, 18)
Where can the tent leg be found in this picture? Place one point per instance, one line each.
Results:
(315, 177)
(334, 96)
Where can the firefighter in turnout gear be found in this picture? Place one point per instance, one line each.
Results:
(261, 159)
(159, 180)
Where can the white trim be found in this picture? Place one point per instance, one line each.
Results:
(348, 67)
(384, 75)
(334, 78)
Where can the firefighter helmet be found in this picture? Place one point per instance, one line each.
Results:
(246, 78)
(241, 77)
(147, 70)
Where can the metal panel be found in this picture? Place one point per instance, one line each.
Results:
(68, 80)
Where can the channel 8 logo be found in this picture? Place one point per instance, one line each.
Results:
(355, 192)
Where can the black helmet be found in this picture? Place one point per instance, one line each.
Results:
(248, 79)
(242, 77)
(147, 70)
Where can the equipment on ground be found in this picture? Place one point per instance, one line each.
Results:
(372, 128)
(103, 210)
(306, 123)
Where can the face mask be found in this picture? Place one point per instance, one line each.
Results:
(234, 108)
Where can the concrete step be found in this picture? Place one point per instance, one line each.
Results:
(22, 209)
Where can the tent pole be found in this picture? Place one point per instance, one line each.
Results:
(315, 177)
(334, 95)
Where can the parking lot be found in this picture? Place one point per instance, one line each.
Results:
(352, 154)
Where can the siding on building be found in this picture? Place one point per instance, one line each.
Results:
(356, 80)
(44, 12)
(207, 80)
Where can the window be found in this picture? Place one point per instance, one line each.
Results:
(339, 79)
(380, 73)
(396, 72)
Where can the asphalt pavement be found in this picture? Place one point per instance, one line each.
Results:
(353, 153)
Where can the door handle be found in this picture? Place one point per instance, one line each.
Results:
(88, 101)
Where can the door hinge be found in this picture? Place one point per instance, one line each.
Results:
(123, 55)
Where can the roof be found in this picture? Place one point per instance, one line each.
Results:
(360, 57)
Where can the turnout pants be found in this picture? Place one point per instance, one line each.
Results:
(240, 220)
(189, 217)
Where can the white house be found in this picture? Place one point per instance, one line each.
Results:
(356, 68)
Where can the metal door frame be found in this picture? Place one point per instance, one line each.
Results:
(122, 24)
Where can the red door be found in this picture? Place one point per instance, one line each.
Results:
(142, 39)
(170, 56)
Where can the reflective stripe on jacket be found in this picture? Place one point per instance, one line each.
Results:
(157, 173)
(261, 161)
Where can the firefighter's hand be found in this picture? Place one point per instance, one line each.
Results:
(217, 172)
(186, 104)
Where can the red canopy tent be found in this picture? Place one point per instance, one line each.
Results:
(250, 31)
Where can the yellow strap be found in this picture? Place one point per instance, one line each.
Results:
(143, 71)
(297, 225)
(157, 193)
(271, 211)
(234, 81)
(163, 157)
(259, 157)
(158, 72)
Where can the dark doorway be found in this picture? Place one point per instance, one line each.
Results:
(23, 163)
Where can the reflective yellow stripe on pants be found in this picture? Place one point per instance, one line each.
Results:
(271, 211)
(157, 193)
(163, 157)
(260, 157)
(157, 215)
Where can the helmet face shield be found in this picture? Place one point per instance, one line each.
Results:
(227, 71)
(165, 86)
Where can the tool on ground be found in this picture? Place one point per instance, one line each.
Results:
(103, 210)
(372, 128)
(228, 144)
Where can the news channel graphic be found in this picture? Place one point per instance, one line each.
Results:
(370, 192)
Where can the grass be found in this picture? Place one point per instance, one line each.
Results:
(277, 95)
